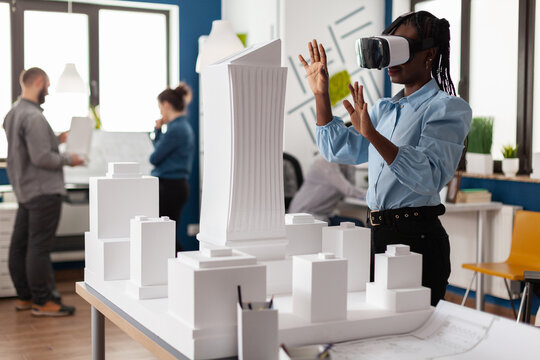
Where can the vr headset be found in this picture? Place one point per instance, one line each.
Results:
(387, 50)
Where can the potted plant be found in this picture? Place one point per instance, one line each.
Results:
(510, 163)
(480, 138)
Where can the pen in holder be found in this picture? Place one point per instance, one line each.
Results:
(257, 331)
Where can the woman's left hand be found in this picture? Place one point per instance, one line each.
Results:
(359, 114)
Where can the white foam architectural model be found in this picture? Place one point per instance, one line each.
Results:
(354, 244)
(242, 199)
(115, 199)
(152, 243)
(244, 237)
(203, 286)
(320, 287)
(398, 281)
(304, 234)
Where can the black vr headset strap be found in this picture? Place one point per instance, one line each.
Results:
(393, 26)
(422, 45)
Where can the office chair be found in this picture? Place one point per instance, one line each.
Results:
(292, 177)
(524, 257)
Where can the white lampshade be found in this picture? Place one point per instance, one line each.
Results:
(221, 43)
(71, 81)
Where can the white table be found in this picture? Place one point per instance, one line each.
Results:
(481, 210)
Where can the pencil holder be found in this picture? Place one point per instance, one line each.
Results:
(257, 331)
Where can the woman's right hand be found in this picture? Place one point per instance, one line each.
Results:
(316, 70)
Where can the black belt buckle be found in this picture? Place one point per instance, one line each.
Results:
(371, 218)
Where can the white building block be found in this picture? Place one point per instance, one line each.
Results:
(398, 300)
(354, 244)
(203, 289)
(106, 259)
(242, 199)
(398, 268)
(320, 287)
(120, 196)
(304, 233)
(152, 243)
(278, 276)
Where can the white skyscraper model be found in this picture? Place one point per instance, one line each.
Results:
(114, 200)
(152, 244)
(242, 199)
(398, 281)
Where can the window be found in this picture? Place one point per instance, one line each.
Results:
(133, 68)
(5, 72)
(494, 67)
(122, 52)
(536, 92)
(497, 76)
(52, 40)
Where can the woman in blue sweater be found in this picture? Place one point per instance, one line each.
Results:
(173, 153)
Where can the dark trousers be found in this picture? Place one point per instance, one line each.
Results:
(173, 195)
(426, 237)
(31, 244)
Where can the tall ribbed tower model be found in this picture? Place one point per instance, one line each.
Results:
(242, 198)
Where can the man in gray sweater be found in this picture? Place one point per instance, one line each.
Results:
(34, 167)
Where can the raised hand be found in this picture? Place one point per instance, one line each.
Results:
(359, 113)
(316, 70)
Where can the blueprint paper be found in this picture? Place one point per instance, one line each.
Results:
(452, 332)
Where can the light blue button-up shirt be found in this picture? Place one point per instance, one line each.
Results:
(429, 128)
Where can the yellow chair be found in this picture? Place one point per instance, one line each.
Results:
(524, 255)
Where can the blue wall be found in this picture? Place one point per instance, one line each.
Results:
(509, 192)
(196, 18)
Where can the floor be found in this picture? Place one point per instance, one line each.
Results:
(23, 337)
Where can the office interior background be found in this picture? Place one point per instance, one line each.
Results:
(127, 52)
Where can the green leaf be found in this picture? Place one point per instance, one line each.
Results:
(480, 136)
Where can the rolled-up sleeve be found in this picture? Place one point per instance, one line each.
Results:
(430, 165)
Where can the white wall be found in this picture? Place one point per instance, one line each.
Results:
(297, 22)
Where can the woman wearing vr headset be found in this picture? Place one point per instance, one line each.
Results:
(413, 141)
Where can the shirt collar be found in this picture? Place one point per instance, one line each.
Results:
(32, 103)
(419, 96)
(177, 118)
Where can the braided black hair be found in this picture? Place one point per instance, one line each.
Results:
(428, 26)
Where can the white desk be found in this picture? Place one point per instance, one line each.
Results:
(481, 210)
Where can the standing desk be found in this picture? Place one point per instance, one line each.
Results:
(481, 210)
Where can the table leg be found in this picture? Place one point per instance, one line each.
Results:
(98, 335)
(479, 259)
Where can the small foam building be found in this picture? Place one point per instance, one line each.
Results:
(152, 244)
(203, 286)
(304, 234)
(115, 199)
(398, 281)
(320, 287)
(354, 244)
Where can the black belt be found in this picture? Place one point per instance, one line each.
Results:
(389, 217)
